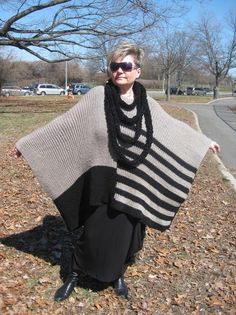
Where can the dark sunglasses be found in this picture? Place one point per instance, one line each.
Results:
(125, 66)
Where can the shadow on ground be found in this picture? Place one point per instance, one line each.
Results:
(53, 243)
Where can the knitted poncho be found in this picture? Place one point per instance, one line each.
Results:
(75, 165)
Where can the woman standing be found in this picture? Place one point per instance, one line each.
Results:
(113, 164)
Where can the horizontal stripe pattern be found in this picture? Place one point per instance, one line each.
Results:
(140, 206)
(61, 152)
(143, 191)
(155, 189)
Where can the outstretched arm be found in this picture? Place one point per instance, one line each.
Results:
(215, 147)
(16, 152)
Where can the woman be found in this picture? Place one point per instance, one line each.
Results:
(113, 164)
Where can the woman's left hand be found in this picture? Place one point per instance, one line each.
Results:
(16, 152)
(215, 147)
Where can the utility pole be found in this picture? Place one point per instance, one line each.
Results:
(66, 91)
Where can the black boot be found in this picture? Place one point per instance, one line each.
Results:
(120, 287)
(66, 289)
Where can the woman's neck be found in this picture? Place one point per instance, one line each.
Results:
(127, 92)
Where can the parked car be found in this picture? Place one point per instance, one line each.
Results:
(49, 89)
(10, 90)
(27, 90)
(176, 91)
(79, 88)
(33, 86)
(189, 90)
(208, 91)
(199, 91)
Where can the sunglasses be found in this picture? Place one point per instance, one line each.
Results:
(125, 66)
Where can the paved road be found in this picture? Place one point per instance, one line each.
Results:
(218, 122)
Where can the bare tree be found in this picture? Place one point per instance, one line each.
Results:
(59, 30)
(98, 56)
(217, 47)
(6, 68)
(174, 54)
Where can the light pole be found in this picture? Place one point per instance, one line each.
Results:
(66, 91)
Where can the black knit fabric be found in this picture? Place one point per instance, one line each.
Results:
(116, 117)
(74, 162)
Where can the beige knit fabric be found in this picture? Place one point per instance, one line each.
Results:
(63, 150)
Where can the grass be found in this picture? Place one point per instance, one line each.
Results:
(21, 123)
(19, 115)
(32, 282)
(188, 99)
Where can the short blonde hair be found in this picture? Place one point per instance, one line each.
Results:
(123, 49)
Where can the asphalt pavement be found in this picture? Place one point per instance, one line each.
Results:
(217, 121)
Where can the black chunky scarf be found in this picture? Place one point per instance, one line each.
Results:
(116, 118)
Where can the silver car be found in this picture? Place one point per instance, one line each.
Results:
(79, 88)
(10, 90)
(199, 91)
(49, 89)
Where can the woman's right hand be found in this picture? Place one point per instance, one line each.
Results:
(215, 147)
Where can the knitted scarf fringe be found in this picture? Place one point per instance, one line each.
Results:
(116, 118)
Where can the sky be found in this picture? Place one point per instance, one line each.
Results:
(219, 8)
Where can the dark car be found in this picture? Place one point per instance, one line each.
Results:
(176, 91)
(79, 88)
(33, 86)
(189, 90)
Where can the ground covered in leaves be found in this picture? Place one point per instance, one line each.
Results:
(189, 269)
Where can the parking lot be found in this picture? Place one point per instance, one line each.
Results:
(44, 89)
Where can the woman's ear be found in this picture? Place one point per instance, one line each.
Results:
(138, 73)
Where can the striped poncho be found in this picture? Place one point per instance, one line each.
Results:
(75, 165)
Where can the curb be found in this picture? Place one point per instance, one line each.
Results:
(221, 98)
(227, 175)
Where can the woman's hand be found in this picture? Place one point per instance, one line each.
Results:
(16, 152)
(215, 147)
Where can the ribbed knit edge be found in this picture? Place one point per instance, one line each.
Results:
(63, 150)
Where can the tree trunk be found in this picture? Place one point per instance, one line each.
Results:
(168, 87)
(216, 88)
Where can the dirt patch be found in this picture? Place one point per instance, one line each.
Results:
(189, 269)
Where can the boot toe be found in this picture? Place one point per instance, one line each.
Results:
(66, 289)
(120, 288)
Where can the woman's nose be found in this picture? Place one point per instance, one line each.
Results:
(120, 70)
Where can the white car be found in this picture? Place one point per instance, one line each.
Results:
(49, 89)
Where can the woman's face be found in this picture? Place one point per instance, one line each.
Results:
(121, 77)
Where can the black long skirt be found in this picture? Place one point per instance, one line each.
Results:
(108, 243)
